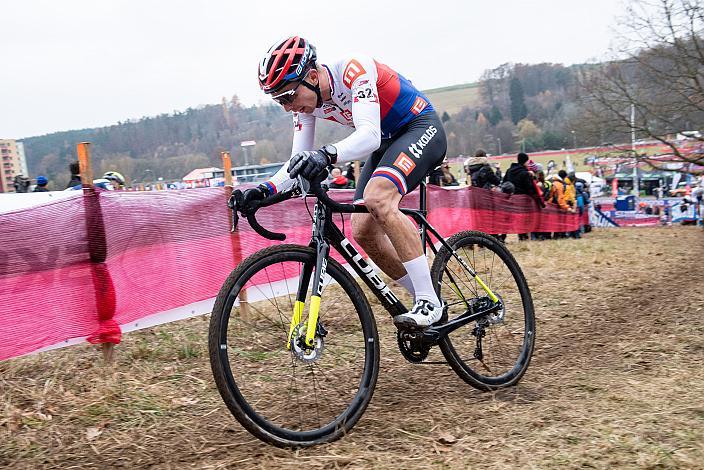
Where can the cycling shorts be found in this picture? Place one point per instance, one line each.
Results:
(408, 157)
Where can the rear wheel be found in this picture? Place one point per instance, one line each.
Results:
(303, 395)
(494, 351)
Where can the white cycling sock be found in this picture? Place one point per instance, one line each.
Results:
(407, 284)
(419, 272)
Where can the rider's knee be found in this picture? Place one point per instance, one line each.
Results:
(381, 201)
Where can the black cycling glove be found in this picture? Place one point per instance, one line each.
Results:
(308, 164)
(250, 195)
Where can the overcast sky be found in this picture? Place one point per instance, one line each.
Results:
(74, 64)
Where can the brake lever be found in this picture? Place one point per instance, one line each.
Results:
(233, 203)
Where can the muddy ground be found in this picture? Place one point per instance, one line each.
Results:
(616, 381)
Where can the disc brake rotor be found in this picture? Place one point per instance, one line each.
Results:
(303, 352)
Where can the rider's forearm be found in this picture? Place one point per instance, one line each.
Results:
(303, 136)
(280, 181)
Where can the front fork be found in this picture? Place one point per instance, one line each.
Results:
(321, 261)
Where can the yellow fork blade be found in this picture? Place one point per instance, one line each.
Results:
(295, 320)
(312, 319)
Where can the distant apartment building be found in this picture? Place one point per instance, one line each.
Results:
(23, 160)
(12, 163)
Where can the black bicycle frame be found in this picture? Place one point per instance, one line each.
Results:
(326, 233)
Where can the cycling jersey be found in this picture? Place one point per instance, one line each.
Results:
(367, 95)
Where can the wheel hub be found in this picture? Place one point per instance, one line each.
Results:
(498, 316)
(301, 350)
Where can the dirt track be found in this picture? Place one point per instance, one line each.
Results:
(616, 381)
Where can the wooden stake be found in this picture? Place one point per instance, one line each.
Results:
(84, 164)
(234, 237)
(86, 170)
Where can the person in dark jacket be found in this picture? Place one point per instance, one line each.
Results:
(519, 175)
(75, 174)
(442, 176)
(522, 180)
(349, 174)
(479, 171)
(42, 181)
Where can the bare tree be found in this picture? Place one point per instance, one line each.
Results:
(659, 74)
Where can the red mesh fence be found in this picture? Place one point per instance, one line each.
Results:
(82, 267)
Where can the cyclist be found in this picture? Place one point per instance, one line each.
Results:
(396, 130)
(111, 180)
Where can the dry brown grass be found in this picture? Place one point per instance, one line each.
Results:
(616, 381)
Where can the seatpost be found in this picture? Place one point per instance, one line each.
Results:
(424, 210)
(423, 201)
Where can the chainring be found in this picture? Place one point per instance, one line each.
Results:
(411, 345)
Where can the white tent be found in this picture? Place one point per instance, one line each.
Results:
(595, 183)
(200, 174)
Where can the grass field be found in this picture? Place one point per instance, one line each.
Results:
(616, 382)
(453, 98)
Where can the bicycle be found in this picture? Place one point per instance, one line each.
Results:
(332, 354)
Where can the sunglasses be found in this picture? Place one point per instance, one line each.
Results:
(287, 97)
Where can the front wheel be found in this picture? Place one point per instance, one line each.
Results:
(281, 390)
(494, 351)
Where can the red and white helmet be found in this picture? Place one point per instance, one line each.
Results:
(286, 62)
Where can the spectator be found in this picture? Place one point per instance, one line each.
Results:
(570, 193)
(557, 196)
(533, 169)
(339, 181)
(543, 184)
(349, 174)
(116, 179)
(21, 184)
(575, 179)
(545, 187)
(435, 177)
(111, 180)
(557, 191)
(448, 179)
(582, 201)
(479, 172)
(442, 176)
(42, 182)
(75, 170)
(497, 167)
(698, 198)
(698, 194)
(522, 180)
(519, 175)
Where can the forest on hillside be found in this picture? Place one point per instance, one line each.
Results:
(529, 105)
